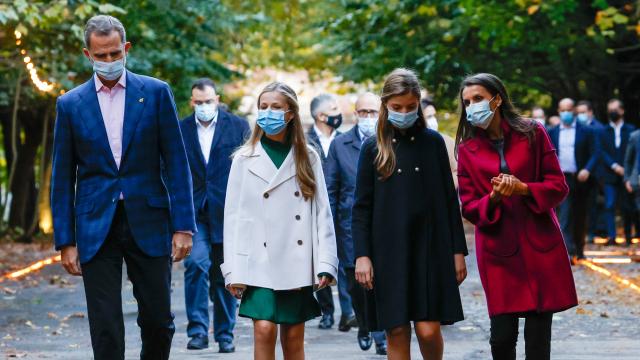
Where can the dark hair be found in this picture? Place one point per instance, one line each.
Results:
(616, 100)
(586, 103)
(202, 83)
(426, 101)
(494, 86)
(103, 25)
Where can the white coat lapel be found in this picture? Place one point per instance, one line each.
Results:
(261, 165)
(286, 171)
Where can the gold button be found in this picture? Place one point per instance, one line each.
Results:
(399, 171)
(394, 140)
(417, 169)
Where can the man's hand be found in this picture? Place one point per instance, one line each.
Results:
(627, 184)
(70, 260)
(461, 268)
(583, 175)
(618, 170)
(364, 272)
(181, 246)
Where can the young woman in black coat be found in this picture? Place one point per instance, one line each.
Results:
(407, 229)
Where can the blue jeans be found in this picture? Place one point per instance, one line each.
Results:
(343, 294)
(202, 265)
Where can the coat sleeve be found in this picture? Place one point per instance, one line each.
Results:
(230, 226)
(333, 181)
(550, 189)
(476, 206)
(362, 211)
(63, 180)
(327, 250)
(605, 157)
(458, 238)
(630, 155)
(177, 166)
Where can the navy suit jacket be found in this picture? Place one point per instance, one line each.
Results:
(86, 183)
(585, 148)
(609, 154)
(341, 171)
(210, 179)
(314, 141)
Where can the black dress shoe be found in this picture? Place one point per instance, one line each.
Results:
(226, 347)
(198, 342)
(365, 342)
(326, 322)
(347, 322)
(381, 349)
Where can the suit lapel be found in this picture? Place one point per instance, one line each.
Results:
(221, 127)
(93, 119)
(133, 107)
(194, 140)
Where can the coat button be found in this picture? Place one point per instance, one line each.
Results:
(399, 171)
(413, 138)
(417, 169)
(266, 195)
(394, 140)
(296, 194)
(265, 244)
(299, 242)
(297, 217)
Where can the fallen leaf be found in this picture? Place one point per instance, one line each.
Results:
(30, 324)
(581, 311)
(52, 315)
(604, 315)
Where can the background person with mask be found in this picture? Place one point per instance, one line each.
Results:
(429, 110)
(537, 114)
(327, 119)
(210, 134)
(576, 147)
(109, 201)
(614, 139)
(342, 163)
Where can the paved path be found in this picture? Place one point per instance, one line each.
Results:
(44, 318)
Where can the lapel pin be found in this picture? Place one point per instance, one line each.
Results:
(141, 100)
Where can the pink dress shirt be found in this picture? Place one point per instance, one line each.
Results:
(112, 108)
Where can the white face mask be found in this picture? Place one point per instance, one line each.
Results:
(432, 123)
(206, 112)
(367, 125)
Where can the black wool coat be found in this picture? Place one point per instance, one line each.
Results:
(410, 226)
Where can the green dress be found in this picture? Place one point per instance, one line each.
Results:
(279, 306)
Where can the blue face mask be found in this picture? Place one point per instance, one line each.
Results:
(206, 112)
(566, 117)
(583, 118)
(367, 125)
(271, 121)
(109, 70)
(402, 120)
(480, 114)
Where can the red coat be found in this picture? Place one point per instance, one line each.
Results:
(522, 258)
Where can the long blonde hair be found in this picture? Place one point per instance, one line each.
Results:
(295, 133)
(399, 82)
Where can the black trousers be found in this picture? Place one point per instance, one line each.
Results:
(537, 336)
(151, 278)
(325, 299)
(358, 301)
(572, 214)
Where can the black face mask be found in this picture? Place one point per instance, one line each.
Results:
(614, 116)
(334, 121)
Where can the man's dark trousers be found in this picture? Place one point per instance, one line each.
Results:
(151, 279)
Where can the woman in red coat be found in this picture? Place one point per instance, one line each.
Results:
(509, 183)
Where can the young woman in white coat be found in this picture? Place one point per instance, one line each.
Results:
(279, 240)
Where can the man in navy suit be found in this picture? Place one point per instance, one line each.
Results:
(210, 137)
(576, 146)
(585, 116)
(342, 166)
(113, 134)
(614, 140)
(327, 119)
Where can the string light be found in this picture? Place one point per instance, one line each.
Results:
(42, 85)
(31, 268)
(611, 275)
